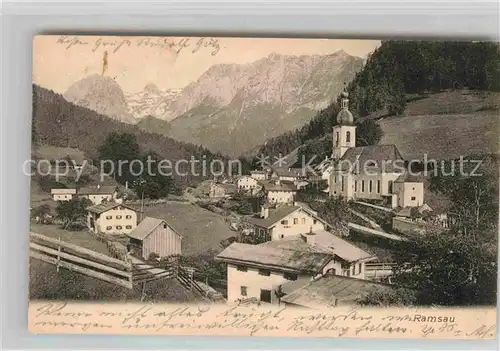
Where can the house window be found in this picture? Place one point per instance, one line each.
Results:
(241, 268)
(109, 217)
(413, 198)
(295, 221)
(363, 186)
(389, 187)
(128, 227)
(303, 221)
(118, 227)
(342, 181)
(118, 217)
(243, 290)
(109, 227)
(360, 268)
(290, 276)
(337, 139)
(371, 186)
(348, 137)
(128, 216)
(264, 272)
(347, 272)
(315, 221)
(265, 295)
(378, 186)
(355, 185)
(282, 236)
(284, 222)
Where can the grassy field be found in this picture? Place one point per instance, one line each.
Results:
(445, 125)
(202, 229)
(46, 283)
(81, 238)
(443, 136)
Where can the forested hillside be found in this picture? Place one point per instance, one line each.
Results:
(399, 71)
(60, 123)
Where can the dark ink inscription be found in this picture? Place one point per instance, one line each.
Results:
(116, 44)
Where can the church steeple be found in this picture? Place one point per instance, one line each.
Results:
(344, 117)
(344, 133)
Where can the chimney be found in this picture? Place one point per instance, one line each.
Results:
(309, 238)
(264, 211)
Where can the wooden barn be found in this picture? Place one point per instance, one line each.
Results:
(154, 235)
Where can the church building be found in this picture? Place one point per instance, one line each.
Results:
(375, 172)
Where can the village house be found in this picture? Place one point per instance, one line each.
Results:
(410, 190)
(287, 174)
(216, 191)
(285, 221)
(330, 291)
(248, 184)
(278, 192)
(111, 218)
(259, 175)
(257, 271)
(99, 193)
(154, 235)
(62, 194)
(368, 172)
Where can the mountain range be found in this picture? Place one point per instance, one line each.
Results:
(231, 108)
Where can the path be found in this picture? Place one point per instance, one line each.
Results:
(373, 224)
(375, 206)
(370, 231)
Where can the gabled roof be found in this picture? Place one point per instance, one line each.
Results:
(101, 208)
(324, 242)
(104, 190)
(146, 226)
(275, 215)
(282, 186)
(372, 157)
(62, 191)
(228, 188)
(328, 290)
(407, 177)
(340, 247)
(289, 172)
(282, 259)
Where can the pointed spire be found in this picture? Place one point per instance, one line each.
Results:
(345, 98)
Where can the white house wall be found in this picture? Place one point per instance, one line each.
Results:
(280, 196)
(304, 223)
(110, 222)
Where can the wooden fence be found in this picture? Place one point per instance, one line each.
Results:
(81, 260)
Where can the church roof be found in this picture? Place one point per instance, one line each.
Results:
(375, 158)
(407, 177)
(345, 117)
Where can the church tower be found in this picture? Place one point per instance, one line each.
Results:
(344, 133)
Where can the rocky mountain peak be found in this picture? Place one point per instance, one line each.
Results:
(101, 94)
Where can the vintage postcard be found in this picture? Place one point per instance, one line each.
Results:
(264, 187)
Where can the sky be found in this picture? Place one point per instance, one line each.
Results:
(168, 62)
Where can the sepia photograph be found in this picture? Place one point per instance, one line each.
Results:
(264, 186)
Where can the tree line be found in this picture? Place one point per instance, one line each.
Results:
(60, 123)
